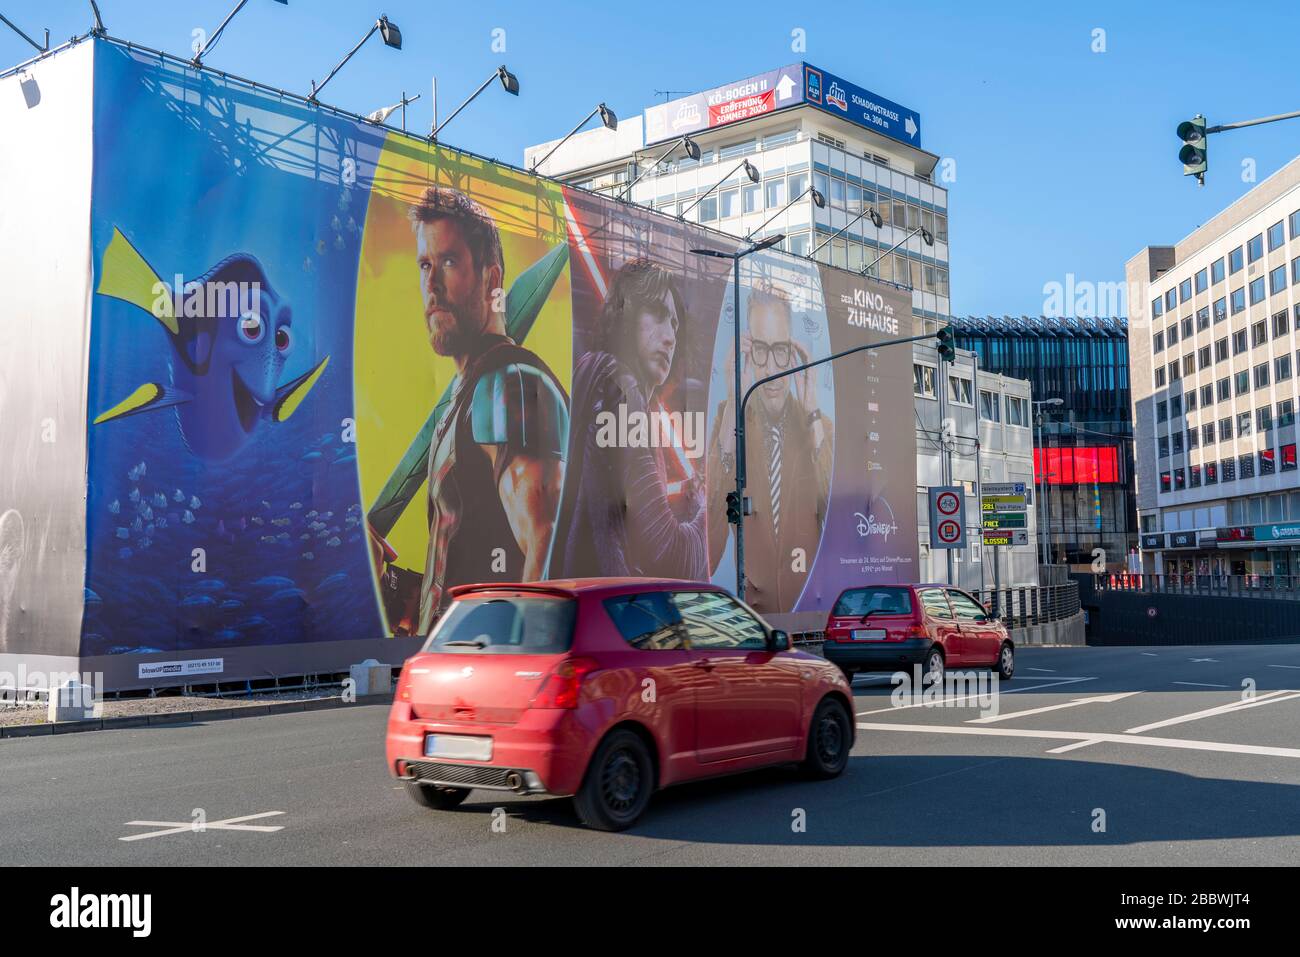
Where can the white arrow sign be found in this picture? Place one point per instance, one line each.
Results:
(784, 87)
(1095, 699)
(910, 125)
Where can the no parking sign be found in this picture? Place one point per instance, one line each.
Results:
(947, 516)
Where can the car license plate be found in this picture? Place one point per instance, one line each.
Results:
(868, 634)
(461, 746)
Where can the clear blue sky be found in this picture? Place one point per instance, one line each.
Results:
(1065, 158)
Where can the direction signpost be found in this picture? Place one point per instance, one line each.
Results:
(1004, 520)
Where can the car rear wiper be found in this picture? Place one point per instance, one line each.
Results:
(869, 613)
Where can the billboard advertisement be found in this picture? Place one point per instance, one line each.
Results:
(859, 106)
(751, 97)
(335, 371)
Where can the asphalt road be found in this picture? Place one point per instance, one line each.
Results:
(926, 785)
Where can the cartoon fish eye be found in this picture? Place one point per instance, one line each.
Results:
(283, 339)
(251, 328)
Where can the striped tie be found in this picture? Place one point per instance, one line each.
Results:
(774, 478)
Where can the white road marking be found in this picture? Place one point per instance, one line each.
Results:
(1149, 654)
(1296, 667)
(1204, 659)
(1272, 697)
(1200, 684)
(955, 701)
(1073, 747)
(1050, 671)
(1092, 737)
(178, 827)
(1096, 699)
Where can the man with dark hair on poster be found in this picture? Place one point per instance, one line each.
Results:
(496, 463)
(789, 455)
(622, 513)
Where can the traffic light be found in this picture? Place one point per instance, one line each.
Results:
(1194, 155)
(946, 351)
(733, 508)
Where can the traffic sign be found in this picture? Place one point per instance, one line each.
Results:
(1004, 513)
(1006, 536)
(947, 517)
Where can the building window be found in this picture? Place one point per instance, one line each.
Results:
(1171, 300)
(775, 193)
(1157, 308)
(1221, 350)
(1162, 446)
(1202, 281)
(1288, 457)
(1207, 395)
(1295, 270)
(750, 200)
(1216, 272)
(1175, 407)
(1241, 382)
(1257, 290)
(1191, 401)
(923, 379)
(1234, 261)
(1281, 324)
(1261, 376)
(1160, 377)
(1239, 342)
(1171, 335)
(1193, 438)
(1211, 473)
(1164, 481)
(1195, 476)
(1238, 300)
(1162, 411)
(1225, 429)
(1203, 359)
(959, 390)
(1223, 389)
(1180, 479)
(1185, 290)
(1282, 368)
(1187, 328)
(1227, 470)
(730, 205)
(1246, 465)
(1158, 342)
(1207, 433)
(1255, 248)
(1258, 333)
(1243, 424)
(1286, 412)
(1276, 236)
(1017, 411)
(1277, 280)
(1220, 310)
(1174, 374)
(708, 209)
(990, 406)
(1202, 318)
(1189, 364)
(1264, 418)
(1176, 441)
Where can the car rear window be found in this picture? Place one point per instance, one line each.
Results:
(879, 599)
(505, 625)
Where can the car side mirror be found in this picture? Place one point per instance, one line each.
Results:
(779, 641)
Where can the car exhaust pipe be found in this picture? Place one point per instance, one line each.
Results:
(515, 782)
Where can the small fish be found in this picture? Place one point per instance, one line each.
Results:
(188, 517)
(136, 472)
(162, 521)
(194, 501)
(146, 513)
(296, 505)
(159, 500)
(257, 520)
(123, 532)
(282, 537)
(114, 507)
(267, 539)
(334, 542)
(145, 542)
(134, 496)
(312, 514)
(178, 496)
(305, 537)
(308, 555)
(280, 522)
(137, 525)
(312, 457)
(231, 603)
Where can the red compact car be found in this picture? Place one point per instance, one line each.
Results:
(606, 690)
(894, 627)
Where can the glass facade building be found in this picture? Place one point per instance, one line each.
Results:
(1085, 445)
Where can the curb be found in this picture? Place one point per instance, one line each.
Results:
(188, 717)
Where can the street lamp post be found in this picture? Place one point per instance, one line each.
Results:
(925, 235)
(692, 150)
(735, 258)
(1043, 514)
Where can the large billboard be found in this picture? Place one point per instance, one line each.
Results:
(335, 371)
(794, 85)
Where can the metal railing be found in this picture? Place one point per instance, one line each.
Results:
(1286, 587)
(1021, 606)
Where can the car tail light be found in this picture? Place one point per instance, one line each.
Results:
(562, 685)
(912, 630)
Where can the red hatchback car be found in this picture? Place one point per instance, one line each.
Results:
(606, 690)
(894, 627)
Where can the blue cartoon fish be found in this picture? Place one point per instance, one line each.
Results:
(227, 359)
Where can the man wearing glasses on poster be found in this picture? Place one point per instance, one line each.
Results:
(789, 456)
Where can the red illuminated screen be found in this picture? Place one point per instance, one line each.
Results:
(1077, 466)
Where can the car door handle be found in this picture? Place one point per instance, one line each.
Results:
(704, 663)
